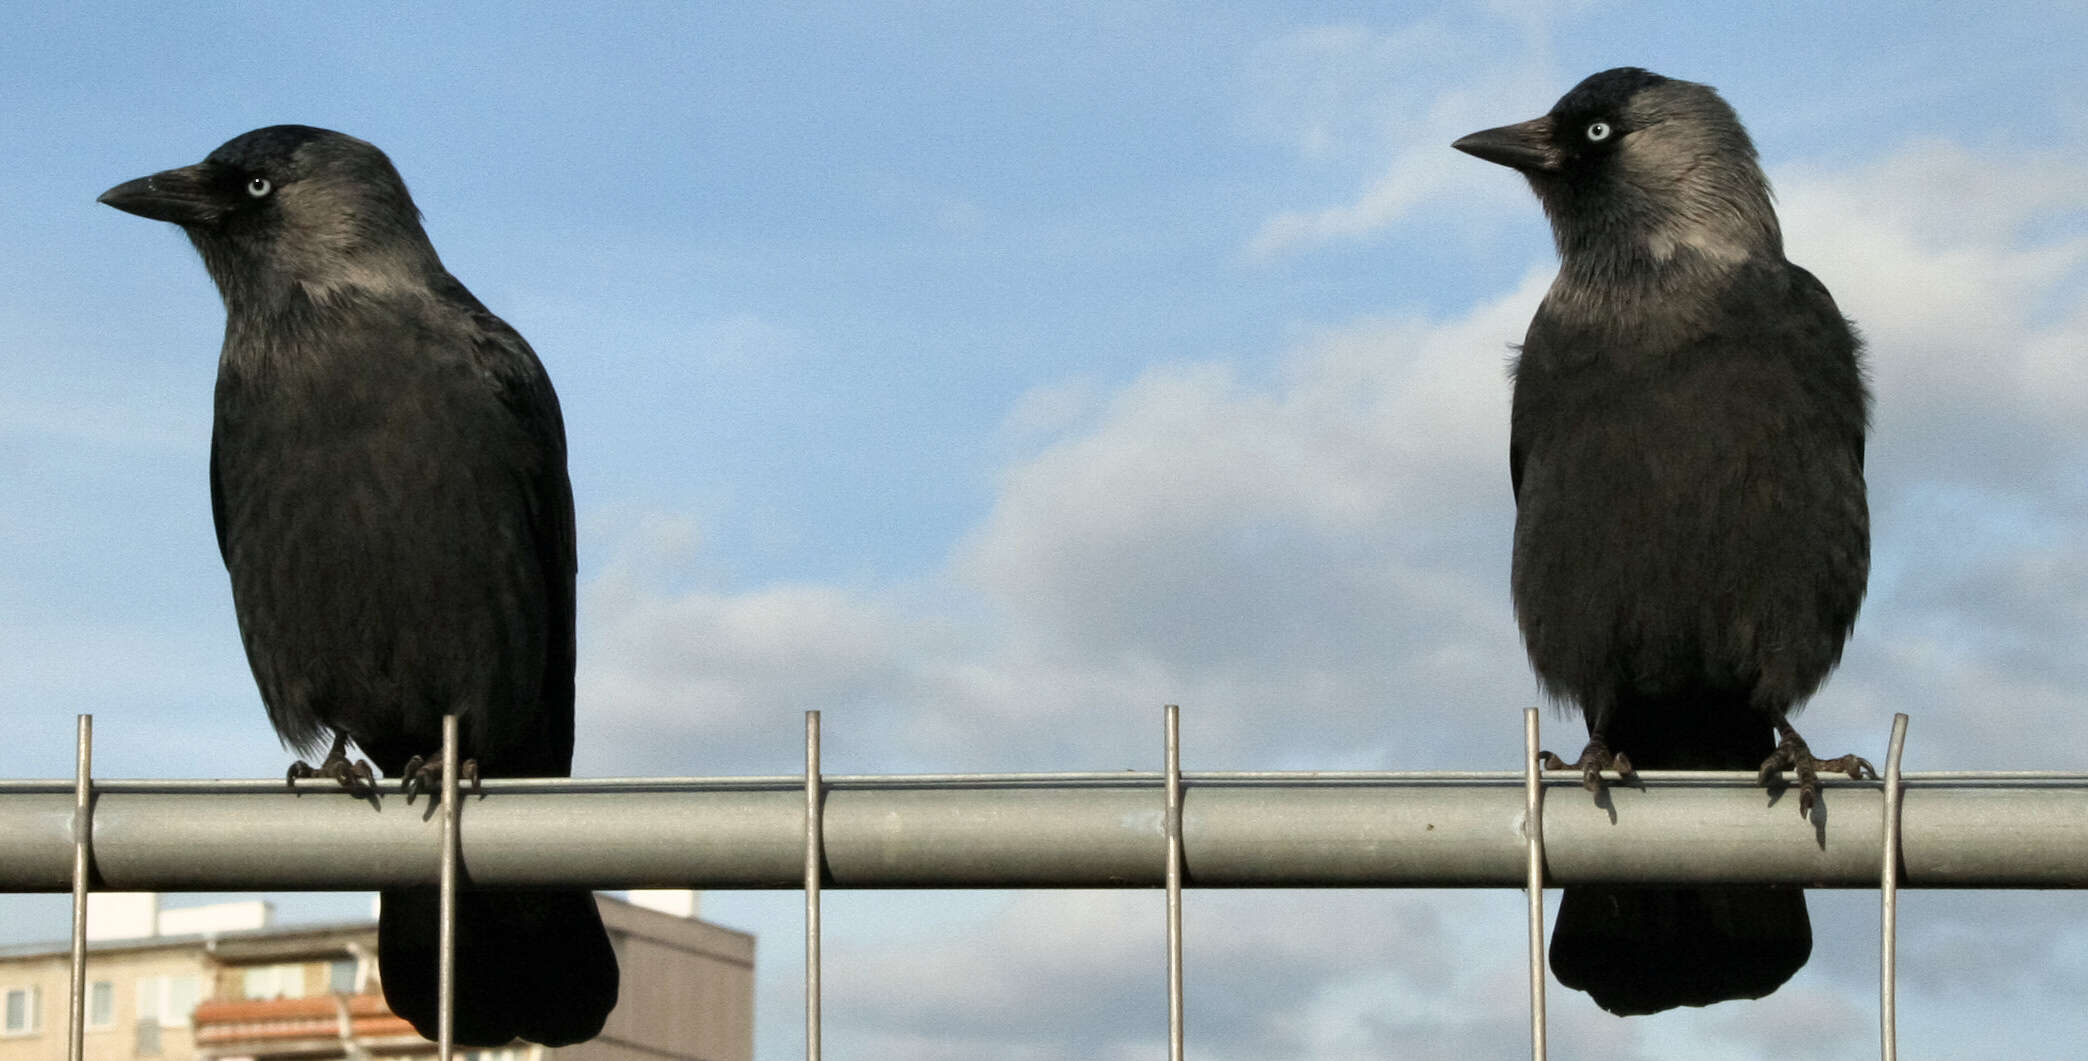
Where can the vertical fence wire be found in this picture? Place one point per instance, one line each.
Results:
(1175, 1038)
(446, 969)
(83, 835)
(1888, 891)
(813, 845)
(1533, 834)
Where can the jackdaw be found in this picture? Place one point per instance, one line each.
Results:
(1691, 536)
(388, 481)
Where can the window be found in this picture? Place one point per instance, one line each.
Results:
(22, 1006)
(181, 1000)
(258, 983)
(340, 976)
(167, 1001)
(263, 982)
(101, 1005)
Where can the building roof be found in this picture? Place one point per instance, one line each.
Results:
(239, 937)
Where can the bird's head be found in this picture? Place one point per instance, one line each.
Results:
(290, 207)
(1633, 163)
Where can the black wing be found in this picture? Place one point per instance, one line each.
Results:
(506, 361)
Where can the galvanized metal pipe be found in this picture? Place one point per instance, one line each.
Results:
(812, 875)
(1239, 830)
(1171, 749)
(446, 935)
(83, 842)
(1533, 880)
(1888, 896)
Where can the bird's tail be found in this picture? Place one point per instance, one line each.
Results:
(1643, 950)
(532, 965)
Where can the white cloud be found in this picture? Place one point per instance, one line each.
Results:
(1414, 177)
(1323, 90)
(1307, 549)
(679, 682)
(1049, 409)
(1268, 976)
(1300, 562)
(1362, 100)
(1975, 325)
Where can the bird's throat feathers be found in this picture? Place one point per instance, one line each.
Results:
(1657, 257)
(1701, 220)
(1628, 298)
(332, 269)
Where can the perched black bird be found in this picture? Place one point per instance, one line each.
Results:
(1691, 537)
(388, 479)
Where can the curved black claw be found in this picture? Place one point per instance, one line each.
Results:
(419, 774)
(1594, 759)
(356, 777)
(1792, 754)
(423, 774)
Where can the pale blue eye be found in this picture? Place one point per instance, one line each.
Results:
(1598, 131)
(259, 187)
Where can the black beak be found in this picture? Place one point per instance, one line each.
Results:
(1526, 146)
(183, 196)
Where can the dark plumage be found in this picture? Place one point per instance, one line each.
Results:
(1691, 538)
(388, 479)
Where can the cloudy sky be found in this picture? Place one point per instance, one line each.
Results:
(987, 376)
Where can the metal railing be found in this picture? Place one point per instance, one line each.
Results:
(1134, 829)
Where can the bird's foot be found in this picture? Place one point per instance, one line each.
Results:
(1792, 754)
(356, 777)
(1594, 759)
(423, 774)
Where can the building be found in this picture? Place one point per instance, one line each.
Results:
(222, 983)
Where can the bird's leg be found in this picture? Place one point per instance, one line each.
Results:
(1594, 759)
(356, 777)
(423, 774)
(1792, 754)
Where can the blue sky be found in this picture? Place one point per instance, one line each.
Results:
(987, 376)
